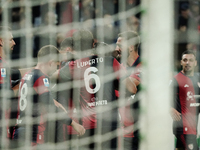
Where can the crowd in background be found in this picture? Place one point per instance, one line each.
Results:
(66, 12)
(186, 22)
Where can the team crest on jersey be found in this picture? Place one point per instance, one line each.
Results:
(3, 72)
(46, 82)
(191, 146)
(198, 83)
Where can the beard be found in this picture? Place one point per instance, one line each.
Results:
(116, 55)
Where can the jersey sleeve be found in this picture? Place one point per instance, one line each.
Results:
(174, 86)
(41, 85)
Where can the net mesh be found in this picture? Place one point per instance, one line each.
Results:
(36, 23)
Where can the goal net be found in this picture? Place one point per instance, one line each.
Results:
(36, 23)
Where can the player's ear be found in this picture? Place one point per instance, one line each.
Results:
(1, 42)
(50, 62)
(131, 48)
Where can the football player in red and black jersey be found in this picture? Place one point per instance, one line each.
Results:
(185, 107)
(126, 53)
(7, 99)
(98, 78)
(36, 104)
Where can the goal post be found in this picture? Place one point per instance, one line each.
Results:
(157, 57)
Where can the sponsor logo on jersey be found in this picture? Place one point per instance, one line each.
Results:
(190, 96)
(27, 77)
(194, 104)
(198, 84)
(131, 97)
(3, 72)
(46, 82)
(98, 103)
(186, 85)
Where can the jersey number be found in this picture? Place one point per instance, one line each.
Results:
(88, 77)
(23, 97)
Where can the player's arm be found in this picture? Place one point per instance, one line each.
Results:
(131, 84)
(121, 74)
(176, 116)
(79, 128)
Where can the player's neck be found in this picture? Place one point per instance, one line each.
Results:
(131, 59)
(2, 54)
(189, 73)
(42, 67)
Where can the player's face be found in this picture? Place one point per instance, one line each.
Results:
(8, 43)
(117, 52)
(188, 63)
(53, 67)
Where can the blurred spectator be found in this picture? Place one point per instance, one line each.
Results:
(110, 7)
(130, 4)
(110, 32)
(43, 35)
(87, 10)
(183, 17)
(194, 11)
(66, 11)
(133, 23)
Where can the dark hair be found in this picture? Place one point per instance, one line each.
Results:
(82, 40)
(66, 43)
(46, 53)
(131, 37)
(103, 48)
(4, 29)
(188, 52)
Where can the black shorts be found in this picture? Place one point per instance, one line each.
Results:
(187, 141)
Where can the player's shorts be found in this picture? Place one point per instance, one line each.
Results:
(187, 141)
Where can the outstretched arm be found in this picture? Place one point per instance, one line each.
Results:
(79, 128)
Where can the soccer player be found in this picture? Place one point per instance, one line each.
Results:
(36, 104)
(98, 78)
(126, 52)
(66, 51)
(185, 109)
(6, 47)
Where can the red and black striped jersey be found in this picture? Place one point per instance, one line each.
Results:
(34, 100)
(127, 112)
(96, 78)
(185, 89)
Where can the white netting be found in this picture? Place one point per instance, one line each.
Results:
(36, 23)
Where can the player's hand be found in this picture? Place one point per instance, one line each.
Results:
(59, 105)
(79, 128)
(176, 116)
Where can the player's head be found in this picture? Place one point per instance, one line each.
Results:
(6, 39)
(66, 49)
(188, 62)
(82, 40)
(102, 48)
(127, 42)
(66, 45)
(48, 55)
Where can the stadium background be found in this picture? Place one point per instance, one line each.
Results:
(36, 23)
